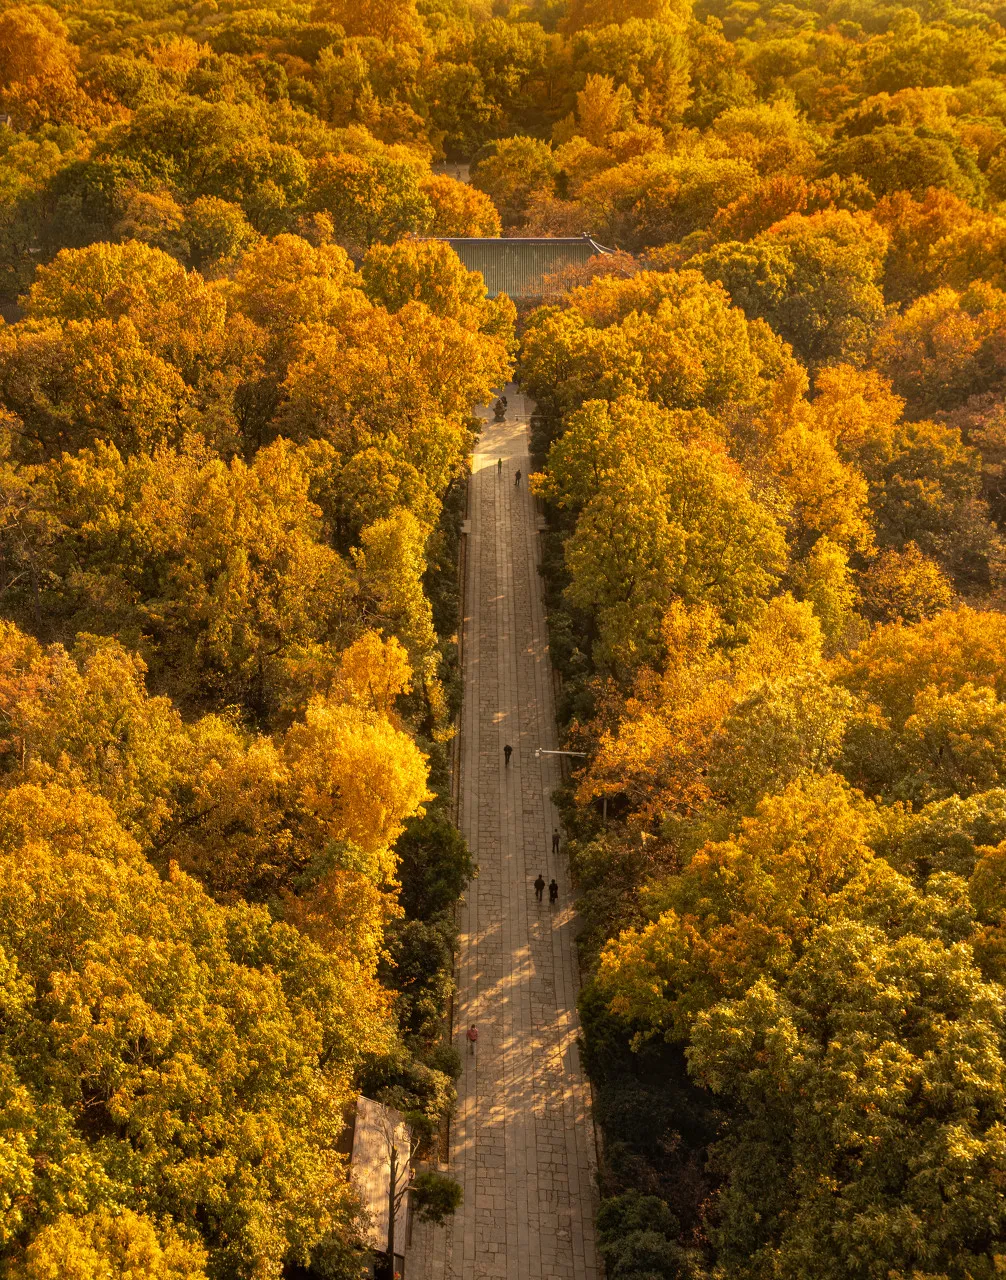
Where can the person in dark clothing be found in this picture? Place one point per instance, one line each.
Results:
(553, 892)
(516, 481)
(555, 840)
(507, 753)
(499, 466)
(539, 886)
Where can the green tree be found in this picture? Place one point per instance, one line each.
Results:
(815, 279)
(512, 172)
(685, 528)
(648, 56)
(925, 488)
(369, 200)
(216, 230)
(743, 910)
(169, 1036)
(122, 1246)
(905, 585)
(828, 1031)
(214, 149)
(424, 271)
(952, 744)
(637, 1236)
(218, 571)
(945, 347)
(898, 159)
(603, 13)
(825, 579)
(669, 337)
(435, 865)
(783, 730)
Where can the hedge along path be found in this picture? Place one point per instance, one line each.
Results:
(522, 1142)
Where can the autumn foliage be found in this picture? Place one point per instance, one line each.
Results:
(770, 445)
(238, 371)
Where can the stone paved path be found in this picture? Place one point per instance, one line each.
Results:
(522, 1143)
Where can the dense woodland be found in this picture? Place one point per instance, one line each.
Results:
(236, 394)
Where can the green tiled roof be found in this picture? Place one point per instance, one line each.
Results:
(518, 266)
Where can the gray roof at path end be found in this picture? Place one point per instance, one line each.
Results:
(518, 266)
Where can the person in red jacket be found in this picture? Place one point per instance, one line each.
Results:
(473, 1036)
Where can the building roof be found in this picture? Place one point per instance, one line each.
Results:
(518, 266)
(375, 1128)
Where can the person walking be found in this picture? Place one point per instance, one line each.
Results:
(516, 481)
(553, 892)
(499, 466)
(507, 753)
(555, 841)
(539, 886)
(473, 1038)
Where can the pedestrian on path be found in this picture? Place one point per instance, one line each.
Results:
(473, 1038)
(555, 840)
(507, 753)
(539, 886)
(516, 481)
(499, 466)
(553, 892)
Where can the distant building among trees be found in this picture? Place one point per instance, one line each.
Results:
(524, 266)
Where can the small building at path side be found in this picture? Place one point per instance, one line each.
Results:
(371, 1130)
(520, 266)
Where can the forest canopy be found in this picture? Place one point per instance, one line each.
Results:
(238, 375)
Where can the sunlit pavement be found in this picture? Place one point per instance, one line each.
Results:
(522, 1143)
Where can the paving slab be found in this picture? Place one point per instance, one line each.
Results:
(522, 1143)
